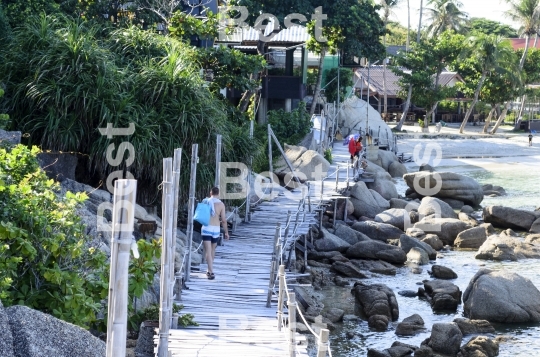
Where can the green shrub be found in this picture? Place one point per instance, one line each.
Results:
(4, 118)
(290, 127)
(328, 155)
(151, 313)
(47, 262)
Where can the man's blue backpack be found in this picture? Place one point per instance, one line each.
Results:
(203, 212)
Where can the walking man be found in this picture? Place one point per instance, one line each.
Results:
(210, 234)
(530, 139)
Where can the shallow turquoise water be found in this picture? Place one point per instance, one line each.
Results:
(520, 178)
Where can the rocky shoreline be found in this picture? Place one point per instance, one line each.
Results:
(382, 232)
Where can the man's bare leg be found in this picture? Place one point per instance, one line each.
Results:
(209, 255)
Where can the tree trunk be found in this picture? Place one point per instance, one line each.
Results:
(436, 103)
(535, 40)
(488, 120)
(433, 108)
(318, 84)
(501, 118)
(405, 109)
(476, 94)
(419, 22)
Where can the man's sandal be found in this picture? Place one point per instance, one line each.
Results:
(210, 276)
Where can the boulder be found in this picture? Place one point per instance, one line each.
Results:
(442, 295)
(349, 235)
(506, 217)
(407, 243)
(315, 255)
(535, 227)
(441, 272)
(445, 338)
(474, 237)
(433, 241)
(410, 326)
(334, 315)
(408, 293)
(446, 229)
(467, 218)
(509, 233)
(397, 169)
(365, 202)
(308, 164)
(501, 296)
(376, 299)
(58, 166)
(434, 206)
(376, 250)
(354, 116)
(10, 137)
(506, 248)
(455, 204)
(400, 203)
(415, 233)
(473, 327)
(330, 242)
(36, 334)
(423, 351)
(397, 351)
(479, 346)
(6, 338)
(426, 167)
(452, 185)
(375, 266)
(395, 217)
(532, 238)
(378, 231)
(341, 208)
(418, 256)
(348, 269)
(378, 322)
(467, 209)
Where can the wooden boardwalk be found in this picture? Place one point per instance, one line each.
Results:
(231, 310)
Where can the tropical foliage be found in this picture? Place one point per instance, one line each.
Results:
(445, 15)
(345, 81)
(490, 27)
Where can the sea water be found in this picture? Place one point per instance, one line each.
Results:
(519, 176)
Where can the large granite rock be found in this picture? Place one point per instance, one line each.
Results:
(378, 231)
(308, 164)
(474, 237)
(453, 186)
(58, 166)
(446, 229)
(376, 299)
(397, 169)
(441, 272)
(506, 217)
(10, 137)
(434, 206)
(506, 248)
(375, 266)
(348, 269)
(473, 327)
(330, 242)
(376, 250)
(442, 295)
(349, 235)
(410, 326)
(445, 338)
(400, 203)
(407, 243)
(367, 202)
(6, 338)
(418, 256)
(395, 217)
(36, 334)
(501, 296)
(479, 346)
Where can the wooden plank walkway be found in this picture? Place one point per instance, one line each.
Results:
(231, 309)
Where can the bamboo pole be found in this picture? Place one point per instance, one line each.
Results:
(337, 177)
(165, 308)
(122, 232)
(305, 248)
(335, 213)
(309, 196)
(292, 324)
(281, 295)
(270, 165)
(247, 217)
(322, 347)
(273, 266)
(218, 160)
(177, 161)
(191, 208)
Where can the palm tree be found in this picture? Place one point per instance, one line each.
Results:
(527, 13)
(493, 54)
(445, 15)
(386, 6)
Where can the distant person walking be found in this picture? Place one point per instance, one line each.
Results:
(355, 147)
(530, 139)
(210, 233)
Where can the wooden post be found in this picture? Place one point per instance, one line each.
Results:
(250, 173)
(337, 177)
(322, 348)
(177, 161)
(309, 197)
(218, 160)
(281, 295)
(274, 265)
(304, 198)
(270, 165)
(305, 249)
(286, 235)
(122, 232)
(335, 213)
(292, 324)
(347, 176)
(323, 207)
(191, 208)
(165, 308)
(322, 188)
(345, 210)
(235, 212)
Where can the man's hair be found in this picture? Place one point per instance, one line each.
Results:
(214, 191)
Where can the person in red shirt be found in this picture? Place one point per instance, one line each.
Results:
(352, 147)
(358, 146)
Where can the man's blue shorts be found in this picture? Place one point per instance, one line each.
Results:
(210, 239)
